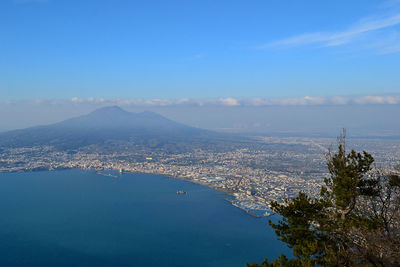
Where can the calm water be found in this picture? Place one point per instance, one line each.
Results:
(79, 218)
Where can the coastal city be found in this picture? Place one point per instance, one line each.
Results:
(270, 169)
(199, 133)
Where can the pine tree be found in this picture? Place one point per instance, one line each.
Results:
(354, 222)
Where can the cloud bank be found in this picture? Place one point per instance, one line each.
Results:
(223, 101)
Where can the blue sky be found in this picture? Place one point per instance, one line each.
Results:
(61, 49)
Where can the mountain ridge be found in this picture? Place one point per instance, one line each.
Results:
(102, 125)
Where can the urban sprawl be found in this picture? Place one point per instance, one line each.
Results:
(273, 169)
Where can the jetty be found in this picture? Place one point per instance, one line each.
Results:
(242, 208)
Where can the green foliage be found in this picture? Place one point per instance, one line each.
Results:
(355, 221)
(281, 261)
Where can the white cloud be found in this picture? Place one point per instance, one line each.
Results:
(362, 32)
(339, 100)
(256, 102)
(77, 100)
(229, 101)
(298, 101)
(370, 99)
(310, 100)
(223, 102)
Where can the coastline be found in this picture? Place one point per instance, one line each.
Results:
(236, 203)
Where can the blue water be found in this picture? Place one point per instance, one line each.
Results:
(80, 218)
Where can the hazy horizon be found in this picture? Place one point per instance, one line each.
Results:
(301, 116)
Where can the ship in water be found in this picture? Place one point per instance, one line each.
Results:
(180, 192)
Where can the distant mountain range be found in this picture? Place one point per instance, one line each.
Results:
(104, 125)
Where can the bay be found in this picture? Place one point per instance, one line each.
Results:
(80, 218)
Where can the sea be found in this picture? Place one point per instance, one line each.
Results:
(82, 218)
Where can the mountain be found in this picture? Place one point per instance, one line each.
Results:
(104, 125)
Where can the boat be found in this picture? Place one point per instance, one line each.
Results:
(180, 192)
